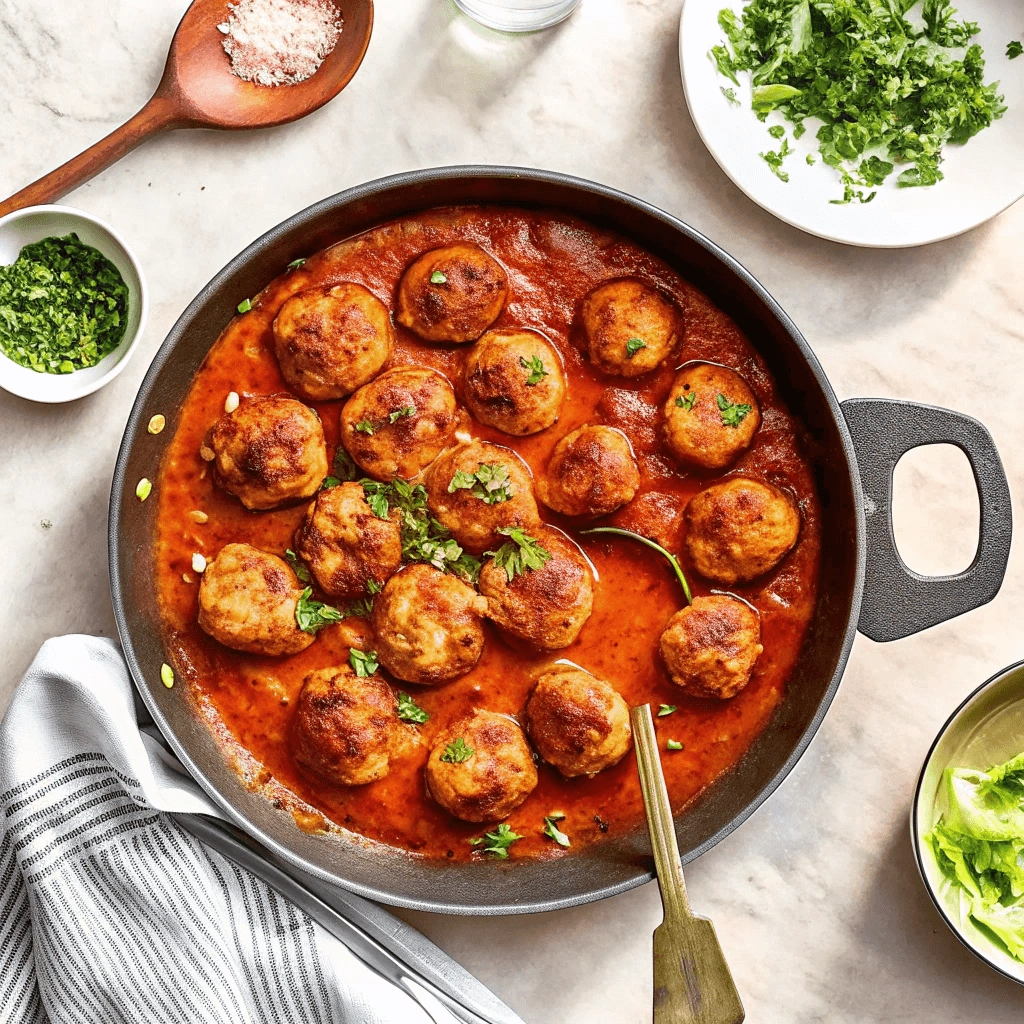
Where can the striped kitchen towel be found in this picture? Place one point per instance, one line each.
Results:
(109, 911)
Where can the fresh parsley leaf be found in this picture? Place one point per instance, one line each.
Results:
(438, 277)
(344, 466)
(686, 401)
(295, 264)
(1014, 49)
(633, 346)
(410, 711)
(490, 483)
(536, 368)
(298, 566)
(552, 831)
(519, 554)
(674, 745)
(496, 843)
(666, 709)
(406, 410)
(733, 413)
(776, 131)
(457, 752)
(311, 615)
(364, 663)
(244, 306)
(362, 607)
(364, 427)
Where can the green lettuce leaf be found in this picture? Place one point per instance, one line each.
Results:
(987, 805)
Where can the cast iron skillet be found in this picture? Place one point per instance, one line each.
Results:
(864, 583)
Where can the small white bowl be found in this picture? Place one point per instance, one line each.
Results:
(35, 223)
(987, 729)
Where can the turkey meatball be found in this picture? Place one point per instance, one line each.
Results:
(345, 545)
(346, 729)
(547, 606)
(267, 452)
(478, 487)
(400, 422)
(515, 381)
(332, 340)
(711, 415)
(428, 625)
(630, 328)
(739, 529)
(452, 294)
(710, 646)
(577, 723)
(591, 472)
(247, 601)
(481, 768)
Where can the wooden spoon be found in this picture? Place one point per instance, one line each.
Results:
(198, 91)
(692, 983)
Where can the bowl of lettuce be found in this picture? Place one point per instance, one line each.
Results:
(968, 822)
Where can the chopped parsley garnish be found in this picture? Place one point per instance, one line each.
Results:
(410, 711)
(536, 368)
(686, 401)
(406, 410)
(295, 264)
(633, 346)
(733, 413)
(674, 745)
(774, 160)
(298, 566)
(1014, 49)
(882, 86)
(666, 709)
(344, 470)
(496, 843)
(776, 131)
(63, 306)
(364, 427)
(362, 607)
(244, 306)
(490, 483)
(552, 831)
(518, 554)
(312, 615)
(364, 663)
(438, 277)
(457, 752)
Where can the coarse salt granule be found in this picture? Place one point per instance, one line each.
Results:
(279, 42)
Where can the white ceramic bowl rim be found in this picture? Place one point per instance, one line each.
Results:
(954, 926)
(56, 388)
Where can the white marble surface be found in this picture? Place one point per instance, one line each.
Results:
(816, 898)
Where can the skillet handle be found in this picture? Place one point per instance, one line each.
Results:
(897, 600)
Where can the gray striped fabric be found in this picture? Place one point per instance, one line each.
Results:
(109, 912)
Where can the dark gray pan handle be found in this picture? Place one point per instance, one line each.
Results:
(897, 600)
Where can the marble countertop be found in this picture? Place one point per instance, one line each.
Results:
(816, 898)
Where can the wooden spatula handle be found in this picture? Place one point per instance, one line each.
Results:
(158, 115)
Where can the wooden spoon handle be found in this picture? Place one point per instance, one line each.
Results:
(158, 115)
(659, 816)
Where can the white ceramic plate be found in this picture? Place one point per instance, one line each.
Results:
(982, 178)
(987, 729)
(35, 223)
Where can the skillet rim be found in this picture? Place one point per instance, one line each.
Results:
(318, 212)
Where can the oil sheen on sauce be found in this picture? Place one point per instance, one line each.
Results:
(552, 262)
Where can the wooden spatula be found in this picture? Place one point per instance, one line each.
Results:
(692, 983)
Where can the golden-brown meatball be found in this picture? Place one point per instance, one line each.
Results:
(332, 340)
(711, 415)
(630, 328)
(400, 422)
(578, 723)
(481, 768)
(739, 529)
(515, 381)
(477, 487)
(428, 625)
(710, 646)
(591, 472)
(345, 545)
(547, 606)
(247, 601)
(269, 451)
(346, 729)
(452, 294)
